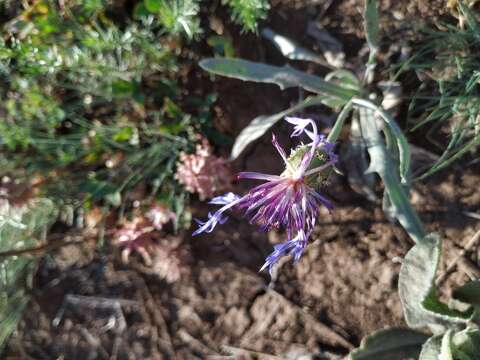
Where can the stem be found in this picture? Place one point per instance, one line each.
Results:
(337, 128)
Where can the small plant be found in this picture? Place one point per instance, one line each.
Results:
(455, 327)
(182, 16)
(289, 200)
(21, 227)
(447, 101)
(248, 12)
(92, 107)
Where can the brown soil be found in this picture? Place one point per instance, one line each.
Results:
(89, 305)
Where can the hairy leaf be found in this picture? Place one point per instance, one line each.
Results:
(370, 17)
(285, 77)
(421, 305)
(432, 349)
(466, 344)
(390, 344)
(382, 162)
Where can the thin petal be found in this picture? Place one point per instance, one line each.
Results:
(258, 176)
(224, 199)
(279, 149)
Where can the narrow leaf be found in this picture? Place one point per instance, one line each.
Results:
(432, 349)
(382, 163)
(401, 141)
(285, 77)
(370, 18)
(446, 349)
(390, 344)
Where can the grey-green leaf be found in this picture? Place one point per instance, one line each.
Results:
(383, 164)
(421, 305)
(390, 344)
(285, 77)
(466, 344)
(398, 136)
(344, 78)
(262, 123)
(468, 293)
(432, 349)
(371, 21)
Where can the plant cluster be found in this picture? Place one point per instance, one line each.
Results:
(95, 114)
(287, 199)
(447, 101)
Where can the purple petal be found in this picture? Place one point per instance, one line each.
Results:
(258, 176)
(293, 247)
(279, 149)
(224, 199)
(218, 217)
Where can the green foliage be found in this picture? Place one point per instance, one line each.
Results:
(390, 344)
(93, 104)
(20, 227)
(447, 63)
(329, 93)
(176, 16)
(248, 12)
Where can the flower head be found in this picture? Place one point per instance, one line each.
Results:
(203, 172)
(288, 200)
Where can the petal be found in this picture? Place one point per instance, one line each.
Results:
(258, 176)
(224, 199)
(279, 149)
(217, 218)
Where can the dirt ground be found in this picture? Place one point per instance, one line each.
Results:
(87, 304)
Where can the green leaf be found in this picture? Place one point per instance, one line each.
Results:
(370, 18)
(446, 350)
(390, 344)
(432, 349)
(97, 189)
(398, 136)
(123, 88)
(382, 162)
(153, 6)
(140, 11)
(16, 271)
(262, 123)
(421, 305)
(345, 79)
(468, 293)
(285, 77)
(248, 12)
(124, 134)
(466, 344)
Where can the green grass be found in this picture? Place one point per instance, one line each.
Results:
(448, 98)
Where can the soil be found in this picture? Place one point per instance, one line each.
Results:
(87, 304)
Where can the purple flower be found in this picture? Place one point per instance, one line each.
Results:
(285, 201)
